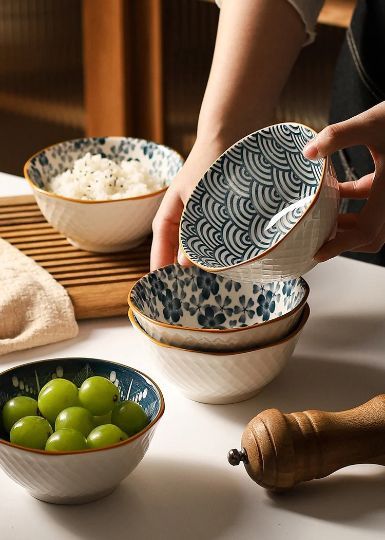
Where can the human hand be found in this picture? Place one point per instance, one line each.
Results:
(165, 226)
(363, 231)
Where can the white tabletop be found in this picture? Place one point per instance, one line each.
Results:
(184, 488)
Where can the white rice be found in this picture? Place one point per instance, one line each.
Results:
(94, 177)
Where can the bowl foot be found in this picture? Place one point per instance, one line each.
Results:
(81, 499)
(106, 249)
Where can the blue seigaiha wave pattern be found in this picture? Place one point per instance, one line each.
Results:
(227, 216)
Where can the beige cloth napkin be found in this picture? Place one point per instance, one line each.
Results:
(34, 308)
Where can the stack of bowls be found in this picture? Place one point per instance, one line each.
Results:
(217, 340)
(224, 328)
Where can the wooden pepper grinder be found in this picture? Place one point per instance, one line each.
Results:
(281, 450)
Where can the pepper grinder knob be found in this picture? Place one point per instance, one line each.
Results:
(234, 457)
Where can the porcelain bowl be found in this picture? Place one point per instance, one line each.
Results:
(194, 309)
(221, 377)
(262, 210)
(77, 477)
(103, 225)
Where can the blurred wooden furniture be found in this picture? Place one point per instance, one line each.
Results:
(122, 48)
(131, 67)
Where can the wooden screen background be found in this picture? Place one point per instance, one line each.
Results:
(130, 67)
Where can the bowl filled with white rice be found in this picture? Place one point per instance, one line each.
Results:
(102, 193)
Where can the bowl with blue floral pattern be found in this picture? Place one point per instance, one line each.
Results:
(97, 219)
(77, 477)
(191, 308)
(262, 211)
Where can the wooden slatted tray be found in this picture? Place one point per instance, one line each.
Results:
(98, 284)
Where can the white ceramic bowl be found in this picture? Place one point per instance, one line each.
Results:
(218, 378)
(194, 309)
(77, 477)
(109, 225)
(262, 210)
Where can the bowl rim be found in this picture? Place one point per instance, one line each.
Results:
(303, 320)
(91, 450)
(53, 195)
(261, 256)
(162, 324)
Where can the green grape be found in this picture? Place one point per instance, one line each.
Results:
(55, 396)
(129, 416)
(103, 419)
(98, 395)
(66, 440)
(17, 408)
(105, 435)
(31, 431)
(76, 418)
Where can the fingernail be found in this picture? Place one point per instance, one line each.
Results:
(182, 259)
(311, 151)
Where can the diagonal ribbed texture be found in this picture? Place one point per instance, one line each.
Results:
(236, 341)
(210, 378)
(73, 478)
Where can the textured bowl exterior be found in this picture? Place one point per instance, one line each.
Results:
(294, 256)
(77, 477)
(103, 227)
(222, 378)
(74, 478)
(244, 338)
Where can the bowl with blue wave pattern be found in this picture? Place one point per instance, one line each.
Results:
(262, 210)
(77, 477)
(220, 377)
(194, 309)
(108, 225)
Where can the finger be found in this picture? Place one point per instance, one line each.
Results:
(347, 221)
(375, 246)
(357, 189)
(182, 259)
(165, 232)
(335, 137)
(372, 216)
(346, 240)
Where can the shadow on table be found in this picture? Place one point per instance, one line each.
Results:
(311, 383)
(319, 381)
(342, 498)
(358, 331)
(162, 499)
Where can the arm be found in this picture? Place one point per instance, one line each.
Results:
(257, 44)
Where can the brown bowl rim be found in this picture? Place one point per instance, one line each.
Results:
(304, 318)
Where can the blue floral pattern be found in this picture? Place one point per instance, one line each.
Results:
(161, 162)
(266, 305)
(194, 298)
